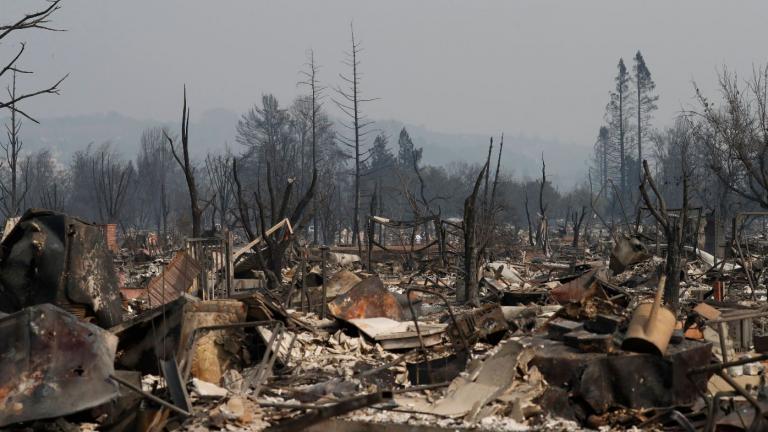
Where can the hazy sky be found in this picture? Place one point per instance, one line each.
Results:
(542, 68)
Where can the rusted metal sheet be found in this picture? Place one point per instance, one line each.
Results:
(367, 299)
(174, 280)
(53, 258)
(52, 364)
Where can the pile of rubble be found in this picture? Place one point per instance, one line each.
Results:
(556, 343)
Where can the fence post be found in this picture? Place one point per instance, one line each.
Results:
(230, 268)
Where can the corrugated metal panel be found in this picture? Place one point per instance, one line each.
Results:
(175, 279)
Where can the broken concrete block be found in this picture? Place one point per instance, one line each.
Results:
(205, 389)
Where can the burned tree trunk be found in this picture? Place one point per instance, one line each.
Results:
(471, 258)
(577, 220)
(673, 228)
(270, 251)
(531, 241)
(673, 265)
(542, 235)
(189, 170)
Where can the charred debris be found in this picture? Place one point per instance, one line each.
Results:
(197, 337)
(629, 311)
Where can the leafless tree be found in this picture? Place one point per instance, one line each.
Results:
(738, 142)
(278, 206)
(13, 193)
(222, 186)
(39, 19)
(531, 240)
(316, 104)
(471, 255)
(48, 182)
(350, 102)
(188, 168)
(480, 224)
(542, 231)
(577, 219)
(111, 180)
(155, 167)
(673, 225)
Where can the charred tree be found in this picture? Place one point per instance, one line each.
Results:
(316, 104)
(13, 193)
(188, 168)
(736, 135)
(350, 102)
(673, 227)
(220, 182)
(577, 219)
(542, 234)
(270, 253)
(480, 225)
(471, 256)
(111, 180)
(531, 240)
(34, 20)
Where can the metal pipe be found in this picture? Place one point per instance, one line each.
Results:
(720, 366)
(738, 316)
(149, 396)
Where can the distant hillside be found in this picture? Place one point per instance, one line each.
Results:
(65, 135)
(566, 163)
